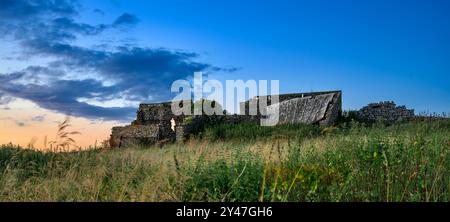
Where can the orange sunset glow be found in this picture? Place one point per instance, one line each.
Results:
(23, 122)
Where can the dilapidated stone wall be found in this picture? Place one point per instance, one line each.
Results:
(137, 134)
(323, 108)
(244, 106)
(156, 122)
(334, 110)
(387, 112)
(310, 109)
(160, 113)
(152, 124)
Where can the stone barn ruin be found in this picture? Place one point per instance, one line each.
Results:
(155, 123)
(322, 108)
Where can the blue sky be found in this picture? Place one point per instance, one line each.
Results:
(99, 58)
(372, 50)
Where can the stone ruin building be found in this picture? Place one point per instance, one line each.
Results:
(322, 108)
(155, 123)
(387, 112)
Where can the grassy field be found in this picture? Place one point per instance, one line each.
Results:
(352, 162)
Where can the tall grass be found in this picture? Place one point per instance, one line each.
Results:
(403, 162)
(63, 140)
(227, 132)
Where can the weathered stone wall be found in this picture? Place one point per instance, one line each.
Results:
(244, 106)
(156, 113)
(334, 110)
(309, 109)
(154, 122)
(137, 134)
(388, 112)
(189, 125)
(181, 133)
(319, 107)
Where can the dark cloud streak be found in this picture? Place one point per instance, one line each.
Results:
(33, 9)
(126, 19)
(61, 96)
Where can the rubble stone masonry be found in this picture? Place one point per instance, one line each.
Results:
(156, 122)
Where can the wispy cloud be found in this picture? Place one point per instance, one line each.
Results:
(38, 118)
(4, 99)
(20, 123)
(98, 11)
(126, 19)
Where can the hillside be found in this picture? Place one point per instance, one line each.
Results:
(403, 162)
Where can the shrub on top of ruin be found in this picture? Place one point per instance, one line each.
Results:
(348, 116)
